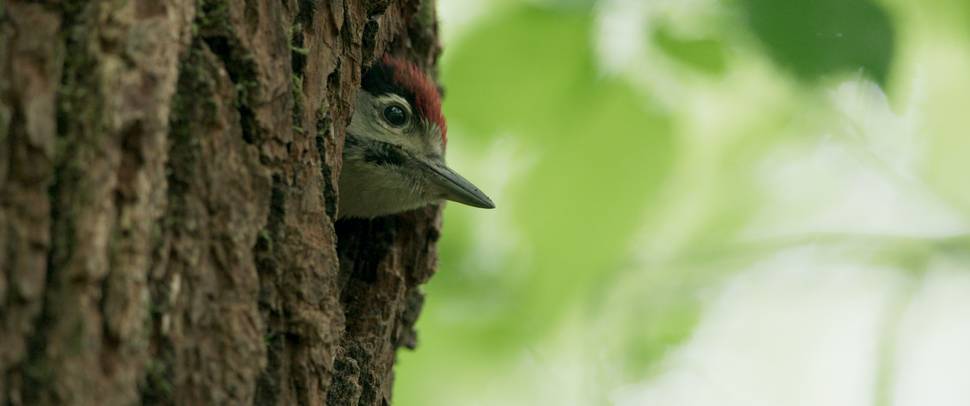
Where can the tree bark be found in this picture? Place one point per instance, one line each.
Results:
(168, 185)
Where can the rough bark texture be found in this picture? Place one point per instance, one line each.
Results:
(168, 174)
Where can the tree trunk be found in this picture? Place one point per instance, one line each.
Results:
(168, 185)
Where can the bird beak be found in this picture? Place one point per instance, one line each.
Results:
(456, 188)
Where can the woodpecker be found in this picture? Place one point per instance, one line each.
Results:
(394, 151)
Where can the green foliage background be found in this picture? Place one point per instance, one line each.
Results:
(628, 186)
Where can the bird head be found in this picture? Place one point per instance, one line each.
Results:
(394, 153)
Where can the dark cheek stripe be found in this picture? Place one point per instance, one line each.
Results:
(378, 153)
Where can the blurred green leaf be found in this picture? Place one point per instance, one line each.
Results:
(530, 72)
(525, 70)
(704, 54)
(821, 37)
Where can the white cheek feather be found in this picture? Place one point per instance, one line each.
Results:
(368, 190)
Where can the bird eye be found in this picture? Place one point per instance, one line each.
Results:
(395, 115)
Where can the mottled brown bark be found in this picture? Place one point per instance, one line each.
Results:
(167, 193)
